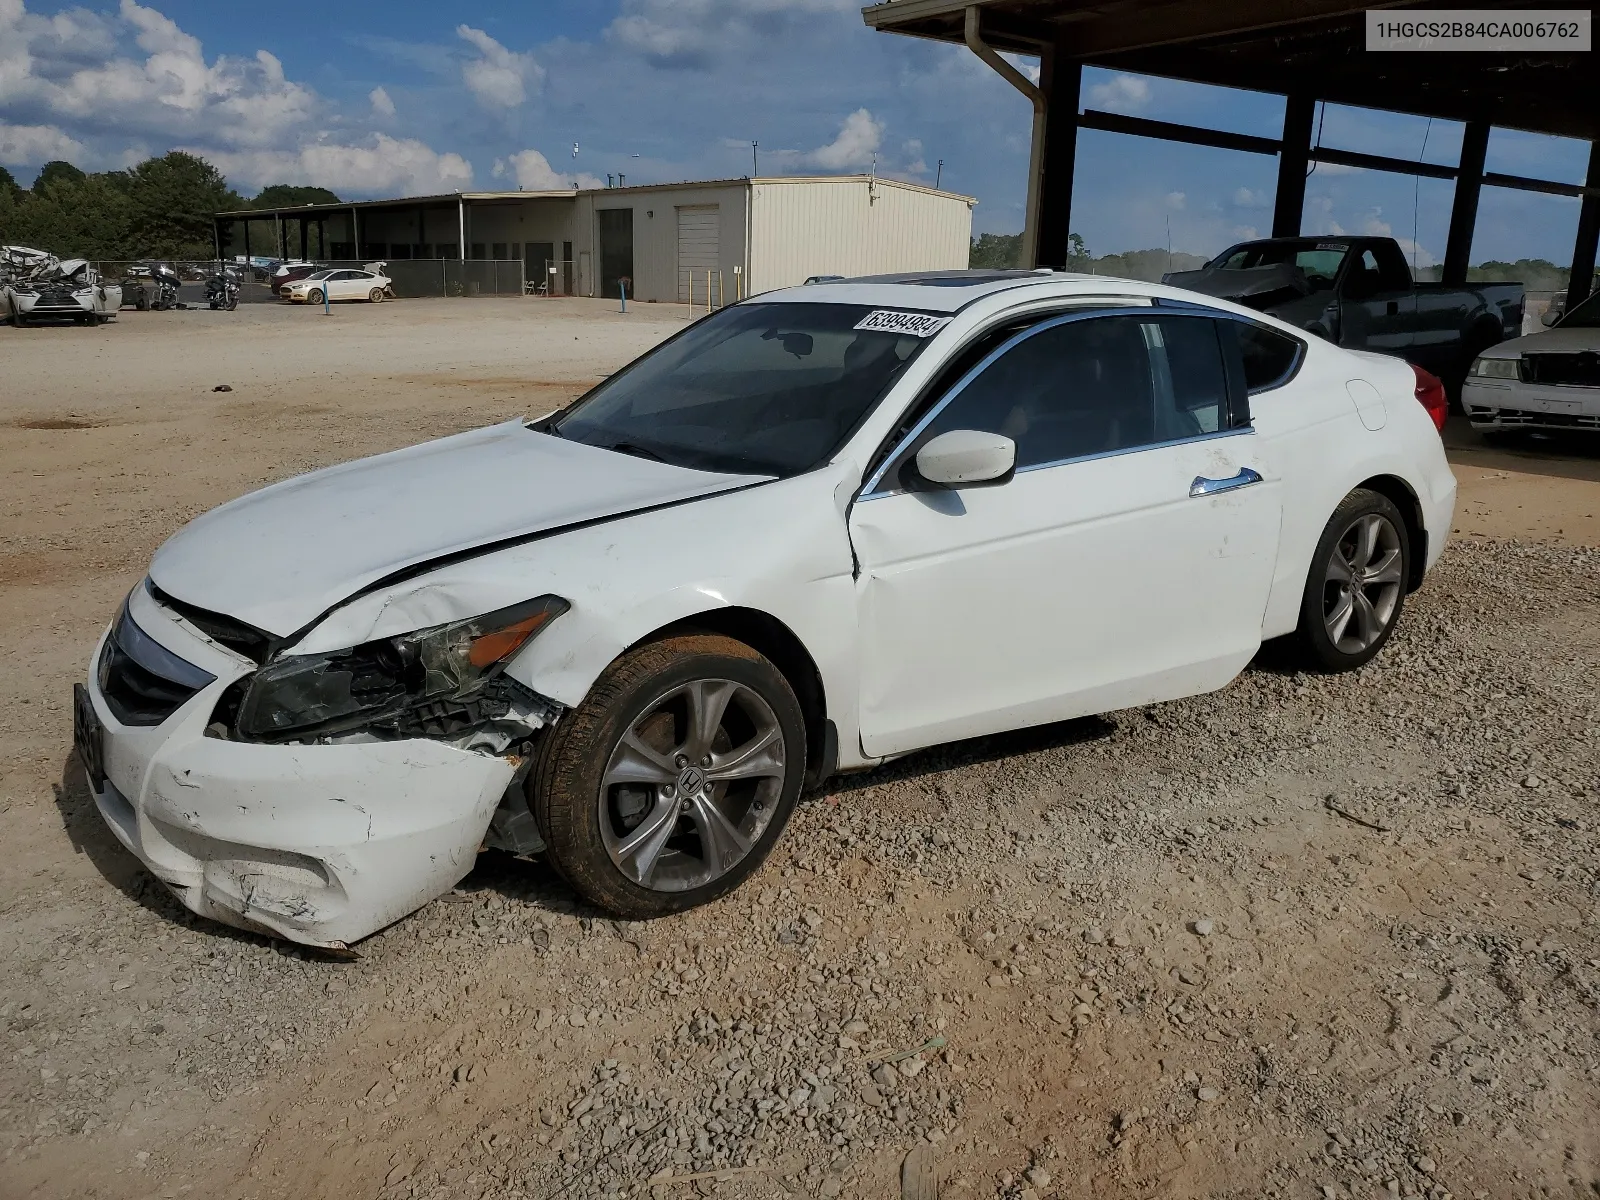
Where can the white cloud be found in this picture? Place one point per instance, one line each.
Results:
(533, 173)
(1176, 201)
(499, 78)
(1120, 93)
(386, 165)
(1245, 198)
(67, 69)
(29, 144)
(859, 138)
(1246, 233)
(382, 106)
(690, 33)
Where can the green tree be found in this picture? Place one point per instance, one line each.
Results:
(9, 186)
(1003, 252)
(996, 251)
(56, 173)
(173, 198)
(289, 195)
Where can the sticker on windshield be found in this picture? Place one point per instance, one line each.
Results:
(1331, 246)
(921, 325)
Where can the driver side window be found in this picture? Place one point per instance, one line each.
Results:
(1097, 386)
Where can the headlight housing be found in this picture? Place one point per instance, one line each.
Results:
(1497, 368)
(384, 682)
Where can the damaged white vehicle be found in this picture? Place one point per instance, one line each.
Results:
(814, 531)
(36, 286)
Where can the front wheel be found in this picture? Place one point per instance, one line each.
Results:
(671, 782)
(314, 296)
(1357, 584)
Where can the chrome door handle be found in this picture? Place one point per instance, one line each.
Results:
(1210, 487)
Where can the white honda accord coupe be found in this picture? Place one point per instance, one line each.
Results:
(813, 531)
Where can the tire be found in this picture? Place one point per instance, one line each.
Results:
(233, 303)
(314, 296)
(1342, 627)
(636, 847)
(375, 295)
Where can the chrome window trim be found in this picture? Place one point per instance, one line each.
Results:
(871, 490)
(1082, 458)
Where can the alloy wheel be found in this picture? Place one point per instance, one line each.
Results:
(1363, 582)
(692, 785)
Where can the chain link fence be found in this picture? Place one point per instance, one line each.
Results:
(409, 278)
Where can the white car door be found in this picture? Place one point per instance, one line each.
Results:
(350, 285)
(1128, 560)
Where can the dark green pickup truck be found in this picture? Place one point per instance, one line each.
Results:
(1358, 292)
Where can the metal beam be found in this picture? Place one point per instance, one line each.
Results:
(1169, 131)
(1581, 282)
(1294, 157)
(1464, 211)
(1548, 186)
(1061, 79)
(1382, 162)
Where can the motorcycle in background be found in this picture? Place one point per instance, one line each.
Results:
(222, 290)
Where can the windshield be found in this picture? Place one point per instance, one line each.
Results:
(1319, 260)
(757, 388)
(1585, 316)
(318, 275)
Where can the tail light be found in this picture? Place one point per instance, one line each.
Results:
(1430, 394)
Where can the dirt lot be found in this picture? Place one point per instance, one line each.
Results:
(1303, 937)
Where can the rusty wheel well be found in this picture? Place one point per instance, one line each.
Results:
(1398, 491)
(777, 643)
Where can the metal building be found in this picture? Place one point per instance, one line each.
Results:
(1305, 50)
(673, 241)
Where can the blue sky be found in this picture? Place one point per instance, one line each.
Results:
(402, 98)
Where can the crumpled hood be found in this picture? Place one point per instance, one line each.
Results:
(280, 557)
(1256, 287)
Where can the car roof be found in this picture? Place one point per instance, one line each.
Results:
(944, 291)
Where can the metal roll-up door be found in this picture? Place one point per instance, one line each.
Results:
(699, 232)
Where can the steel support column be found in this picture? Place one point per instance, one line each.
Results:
(305, 239)
(1464, 212)
(1060, 79)
(1036, 96)
(1581, 282)
(355, 234)
(1294, 157)
(461, 225)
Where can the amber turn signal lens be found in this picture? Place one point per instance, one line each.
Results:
(502, 643)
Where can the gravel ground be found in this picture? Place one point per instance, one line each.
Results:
(1306, 936)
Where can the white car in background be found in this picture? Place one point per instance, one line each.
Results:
(812, 532)
(338, 284)
(1547, 381)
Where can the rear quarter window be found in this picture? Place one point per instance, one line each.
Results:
(1270, 358)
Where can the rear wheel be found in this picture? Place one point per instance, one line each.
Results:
(314, 296)
(376, 295)
(1357, 584)
(671, 782)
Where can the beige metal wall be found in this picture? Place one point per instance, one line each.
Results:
(545, 219)
(655, 235)
(853, 226)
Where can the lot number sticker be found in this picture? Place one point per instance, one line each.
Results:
(920, 325)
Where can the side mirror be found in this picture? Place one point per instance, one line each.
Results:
(968, 458)
(1550, 317)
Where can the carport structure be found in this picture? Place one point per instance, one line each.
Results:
(1304, 50)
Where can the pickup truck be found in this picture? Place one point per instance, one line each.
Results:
(1357, 292)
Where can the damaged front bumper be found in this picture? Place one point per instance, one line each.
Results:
(322, 844)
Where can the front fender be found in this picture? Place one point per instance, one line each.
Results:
(779, 548)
